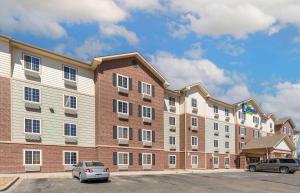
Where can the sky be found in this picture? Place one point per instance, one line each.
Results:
(236, 49)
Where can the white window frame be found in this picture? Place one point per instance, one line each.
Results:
(122, 76)
(64, 102)
(64, 158)
(118, 132)
(118, 159)
(31, 126)
(146, 154)
(147, 84)
(147, 130)
(226, 112)
(194, 99)
(215, 140)
(170, 101)
(69, 79)
(70, 129)
(31, 101)
(241, 142)
(169, 159)
(225, 128)
(41, 157)
(216, 126)
(122, 108)
(226, 143)
(172, 140)
(31, 56)
(196, 141)
(192, 121)
(147, 107)
(174, 120)
(244, 129)
(193, 156)
(216, 109)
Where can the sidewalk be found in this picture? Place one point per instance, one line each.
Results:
(130, 173)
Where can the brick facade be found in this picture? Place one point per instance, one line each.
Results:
(5, 109)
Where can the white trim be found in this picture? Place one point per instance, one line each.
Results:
(119, 126)
(67, 151)
(117, 83)
(196, 140)
(192, 160)
(174, 120)
(192, 103)
(170, 159)
(23, 62)
(63, 73)
(174, 140)
(31, 125)
(143, 106)
(119, 160)
(193, 117)
(70, 102)
(41, 157)
(40, 95)
(70, 130)
(143, 135)
(214, 156)
(228, 161)
(142, 89)
(122, 108)
(143, 159)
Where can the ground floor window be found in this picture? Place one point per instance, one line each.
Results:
(123, 158)
(32, 157)
(194, 159)
(172, 159)
(226, 160)
(70, 157)
(147, 158)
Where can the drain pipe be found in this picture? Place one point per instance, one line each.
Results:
(185, 132)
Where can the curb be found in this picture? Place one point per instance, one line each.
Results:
(9, 184)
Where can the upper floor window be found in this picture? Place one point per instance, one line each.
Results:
(242, 145)
(172, 121)
(255, 119)
(70, 157)
(226, 128)
(122, 81)
(32, 126)
(216, 109)
(226, 112)
(194, 102)
(32, 63)
(32, 94)
(271, 125)
(32, 157)
(172, 140)
(242, 131)
(172, 101)
(70, 102)
(70, 73)
(194, 141)
(122, 107)
(146, 88)
(194, 121)
(216, 143)
(146, 135)
(70, 130)
(123, 132)
(147, 112)
(226, 144)
(216, 126)
(242, 115)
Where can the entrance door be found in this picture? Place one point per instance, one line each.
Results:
(216, 162)
(227, 162)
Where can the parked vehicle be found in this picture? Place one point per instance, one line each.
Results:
(90, 170)
(283, 165)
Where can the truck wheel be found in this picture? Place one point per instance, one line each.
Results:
(252, 168)
(284, 170)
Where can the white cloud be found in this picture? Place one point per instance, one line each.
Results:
(195, 52)
(60, 48)
(235, 94)
(115, 30)
(145, 5)
(230, 48)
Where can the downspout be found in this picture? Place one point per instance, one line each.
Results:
(185, 132)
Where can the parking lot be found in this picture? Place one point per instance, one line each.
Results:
(205, 183)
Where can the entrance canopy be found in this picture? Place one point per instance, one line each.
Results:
(270, 144)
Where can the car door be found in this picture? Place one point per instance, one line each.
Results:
(272, 165)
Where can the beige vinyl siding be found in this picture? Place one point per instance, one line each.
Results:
(4, 59)
(209, 136)
(51, 72)
(167, 131)
(52, 122)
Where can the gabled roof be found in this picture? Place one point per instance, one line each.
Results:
(197, 85)
(282, 121)
(254, 103)
(269, 142)
(98, 60)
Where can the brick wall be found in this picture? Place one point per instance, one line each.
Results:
(5, 110)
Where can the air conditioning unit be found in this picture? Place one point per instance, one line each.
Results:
(216, 115)
(227, 118)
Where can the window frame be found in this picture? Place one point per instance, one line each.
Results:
(171, 102)
(240, 145)
(64, 125)
(196, 159)
(215, 140)
(64, 158)
(64, 102)
(244, 129)
(118, 132)
(227, 142)
(196, 140)
(146, 154)
(172, 117)
(31, 56)
(173, 137)
(147, 107)
(169, 160)
(122, 107)
(193, 117)
(216, 126)
(31, 101)
(147, 84)
(226, 112)
(118, 158)
(216, 109)
(225, 128)
(32, 150)
(192, 100)
(147, 130)
(69, 79)
(32, 119)
(123, 76)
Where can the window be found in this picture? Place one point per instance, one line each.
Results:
(123, 158)
(32, 126)
(242, 131)
(123, 132)
(146, 135)
(226, 128)
(226, 144)
(172, 120)
(70, 102)
(122, 81)
(194, 141)
(216, 143)
(255, 134)
(172, 140)
(147, 112)
(194, 121)
(32, 94)
(242, 145)
(272, 161)
(146, 88)
(70, 73)
(287, 161)
(216, 109)
(194, 102)
(216, 126)
(226, 112)
(70, 157)
(32, 63)
(172, 101)
(122, 107)
(271, 125)
(70, 130)
(147, 158)
(32, 157)
(194, 159)
(242, 115)
(172, 159)
(255, 119)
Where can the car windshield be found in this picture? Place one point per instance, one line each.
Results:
(91, 164)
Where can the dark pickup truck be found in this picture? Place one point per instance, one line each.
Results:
(283, 165)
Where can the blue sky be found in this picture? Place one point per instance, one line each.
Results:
(237, 49)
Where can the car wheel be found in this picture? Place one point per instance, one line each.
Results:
(252, 168)
(80, 178)
(284, 170)
(106, 179)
